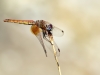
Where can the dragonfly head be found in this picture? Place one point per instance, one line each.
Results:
(49, 27)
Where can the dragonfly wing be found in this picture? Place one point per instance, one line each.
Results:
(38, 33)
(57, 32)
(25, 22)
(49, 46)
(42, 42)
(56, 48)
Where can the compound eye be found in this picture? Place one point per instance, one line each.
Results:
(50, 25)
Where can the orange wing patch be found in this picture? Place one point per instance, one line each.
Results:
(35, 29)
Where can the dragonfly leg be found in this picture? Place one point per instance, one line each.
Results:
(47, 40)
(44, 33)
(44, 36)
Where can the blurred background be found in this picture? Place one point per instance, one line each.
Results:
(22, 54)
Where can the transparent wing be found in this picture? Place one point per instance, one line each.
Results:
(57, 32)
(37, 32)
(49, 46)
(42, 42)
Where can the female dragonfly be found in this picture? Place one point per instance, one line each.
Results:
(43, 30)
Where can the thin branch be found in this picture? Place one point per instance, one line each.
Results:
(55, 53)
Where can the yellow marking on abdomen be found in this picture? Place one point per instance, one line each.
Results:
(26, 22)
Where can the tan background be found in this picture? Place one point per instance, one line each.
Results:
(21, 52)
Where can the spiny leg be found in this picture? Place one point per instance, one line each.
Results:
(44, 36)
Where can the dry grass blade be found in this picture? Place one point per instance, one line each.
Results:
(51, 39)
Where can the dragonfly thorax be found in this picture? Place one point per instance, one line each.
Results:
(44, 25)
(40, 24)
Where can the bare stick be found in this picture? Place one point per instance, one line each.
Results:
(51, 39)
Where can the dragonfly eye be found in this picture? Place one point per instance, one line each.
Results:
(49, 27)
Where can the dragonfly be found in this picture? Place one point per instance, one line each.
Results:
(44, 31)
